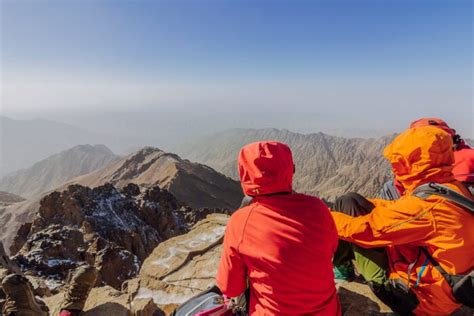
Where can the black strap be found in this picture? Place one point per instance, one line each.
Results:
(438, 267)
(426, 190)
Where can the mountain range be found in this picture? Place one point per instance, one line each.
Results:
(326, 166)
(53, 171)
(192, 184)
(25, 142)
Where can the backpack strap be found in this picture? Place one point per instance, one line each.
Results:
(426, 190)
(434, 263)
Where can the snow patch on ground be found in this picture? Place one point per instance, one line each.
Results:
(106, 208)
(58, 262)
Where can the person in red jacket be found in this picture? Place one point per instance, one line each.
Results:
(282, 243)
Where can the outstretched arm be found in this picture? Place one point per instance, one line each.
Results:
(400, 222)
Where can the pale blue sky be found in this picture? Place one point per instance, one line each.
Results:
(356, 62)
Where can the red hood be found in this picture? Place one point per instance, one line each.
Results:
(464, 165)
(266, 168)
(433, 121)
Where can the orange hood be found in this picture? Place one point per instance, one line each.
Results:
(420, 155)
(266, 168)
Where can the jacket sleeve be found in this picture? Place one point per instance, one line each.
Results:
(392, 223)
(231, 275)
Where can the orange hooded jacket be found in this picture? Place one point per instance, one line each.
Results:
(463, 155)
(419, 155)
(282, 243)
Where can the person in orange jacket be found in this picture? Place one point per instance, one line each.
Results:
(282, 243)
(384, 237)
(463, 159)
(463, 154)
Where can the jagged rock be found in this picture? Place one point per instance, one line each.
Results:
(111, 229)
(52, 252)
(20, 238)
(116, 265)
(132, 222)
(131, 189)
(6, 265)
(192, 216)
(40, 288)
(192, 184)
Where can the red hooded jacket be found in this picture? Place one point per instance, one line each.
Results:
(283, 242)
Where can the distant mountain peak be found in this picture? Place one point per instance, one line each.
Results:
(193, 184)
(53, 171)
(326, 165)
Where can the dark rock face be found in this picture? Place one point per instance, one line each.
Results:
(111, 229)
(191, 216)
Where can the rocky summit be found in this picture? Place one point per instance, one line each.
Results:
(194, 186)
(113, 229)
(183, 266)
(177, 269)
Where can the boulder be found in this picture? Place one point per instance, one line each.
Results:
(5, 263)
(116, 265)
(183, 266)
(52, 252)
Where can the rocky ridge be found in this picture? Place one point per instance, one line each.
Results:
(185, 265)
(326, 166)
(55, 170)
(115, 230)
(7, 198)
(194, 185)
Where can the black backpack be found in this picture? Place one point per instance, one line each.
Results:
(462, 285)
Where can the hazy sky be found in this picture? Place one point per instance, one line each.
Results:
(304, 65)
